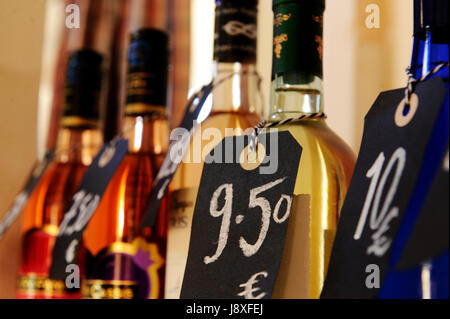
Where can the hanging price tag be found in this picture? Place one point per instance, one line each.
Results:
(430, 236)
(389, 162)
(21, 199)
(179, 142)
(241, 217)
(84, 204)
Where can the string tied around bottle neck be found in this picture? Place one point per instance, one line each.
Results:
(263, 125)
(412, 81)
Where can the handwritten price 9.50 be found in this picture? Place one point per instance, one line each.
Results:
(254, 201)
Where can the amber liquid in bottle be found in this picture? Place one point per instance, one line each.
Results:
(124, 261)
(78, 141)
(326, 163)
(233, 112)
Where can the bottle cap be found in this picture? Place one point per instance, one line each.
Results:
(82, 89)
(432, 14)
(240, 3)
(312, 3)
(297, 40)
(235, 31)
(148, 59)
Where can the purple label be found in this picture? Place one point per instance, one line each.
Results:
(125, 270)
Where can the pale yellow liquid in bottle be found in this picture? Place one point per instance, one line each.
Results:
(324, 173)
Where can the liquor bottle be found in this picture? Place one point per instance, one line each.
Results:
(123, 261)
(79, 140)
(326, 163)
(233, 110)
(430, 49)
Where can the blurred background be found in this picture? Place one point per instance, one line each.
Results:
(359, 62)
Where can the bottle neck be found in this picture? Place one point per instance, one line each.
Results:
(427, 54)
(289, 99)
(78, 145)
(431, 37)
(146, 134)
(238, 89)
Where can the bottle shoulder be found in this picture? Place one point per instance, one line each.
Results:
(322, 149)
(233, 120)
(317, 136)
(54, 190)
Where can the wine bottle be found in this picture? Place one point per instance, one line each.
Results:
(430, 49)
(233, 111)
(124, 261)
(79, 140)
(326, 163)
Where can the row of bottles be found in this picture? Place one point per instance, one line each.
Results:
(117, 259)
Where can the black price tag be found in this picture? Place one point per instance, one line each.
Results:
(241, 217)
(84, 203)
(179, 142)
(22, 198)
(389, 162)
(430, 236)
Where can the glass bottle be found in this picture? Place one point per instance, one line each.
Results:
(326, 163)
(430, 49)
(79, 140)
(124, 261)
(233, 111)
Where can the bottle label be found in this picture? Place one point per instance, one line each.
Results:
(146, 82)
(235, 33)
(125, 270)
(297, 39)
(109, 289)
(33, 281)
(33, 286)
(82, 89)
(181, 208)
(182, 203)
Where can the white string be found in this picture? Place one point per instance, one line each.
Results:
(253, 142)
(412, 82)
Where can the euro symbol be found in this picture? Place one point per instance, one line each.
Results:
(248, 291)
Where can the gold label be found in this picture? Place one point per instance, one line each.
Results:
(277, 41)
(77, 121)
(318, 40)
(39, 285)
(109, 289)
(142, 108)
(280, 18)
(318, 19)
